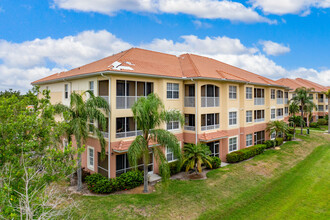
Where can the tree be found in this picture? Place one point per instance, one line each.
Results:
(294, 119)
(327, 93)
(293, 108)
(195, 156)
(302, 97)
(149, 114)
(78, 115)
(309, 107)
(277, 127)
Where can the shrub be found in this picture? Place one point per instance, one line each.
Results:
(269, 143)
(174, 167)
(279, 141)
(290, 131)
(313, 125)
(130, 180)
(245, 153)
(289, 137)
(322, 121)
(215, 162)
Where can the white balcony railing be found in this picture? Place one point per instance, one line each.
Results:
(286, 101)
(128, 134)
(279, 117)
(259, 101)
(189, 101)
(189, 128)
(105, 134)
(210, 102)
(126, 102)
(210, 127)
(279, 101)
(106, 98)
(259, 119)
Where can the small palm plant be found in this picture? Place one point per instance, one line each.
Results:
(149, 114)
(78, 115)
(294, 119)
(195, 156)
(277, 127)
(327, 93)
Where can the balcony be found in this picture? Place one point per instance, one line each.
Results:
(279, 117)
(128, 134)
(259, 120)
(126, 102)
(189, 128)
(210, 127)
(286, 101)
(210, 102)
(259, 101)
(106, 98)
(321, 100)
(189, 101)
(279, 101)
(105, 134)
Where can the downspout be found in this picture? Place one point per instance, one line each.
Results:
(109, 125)
(196, 113)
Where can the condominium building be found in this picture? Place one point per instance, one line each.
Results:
(317, 94)
(225, 107)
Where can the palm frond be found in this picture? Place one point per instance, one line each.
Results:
(136, 150)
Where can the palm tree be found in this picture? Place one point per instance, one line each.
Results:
(327, 93)
(78, 116)
(149, 114)
(293, 108)
(309, 110)
(277, 127)
(195, 156)
(302, 97)
(294, 119)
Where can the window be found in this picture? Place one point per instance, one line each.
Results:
(249, 140)
(214, 148)
(259, 115)
(66, 91)
(280, 112)
(90, 158)
(91, 86)
(272, 114)
(232, 144)
(126, 127)
(172, 125)
(210, 121)
(286, 110)
(248, 116)
(320, 108)
(272, 93)
(232, 92)
(311, 96)
(232, 118)
(91, 125)
(189, 123)
(273, 135)
(248, 93)
(170, 155)
(259, 137)
(172, 90)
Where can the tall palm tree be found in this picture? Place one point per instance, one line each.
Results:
(195, 156)
(78, 116)
(277, 127)
(327, 93)
(302, 97)
(293, 108)
(309, 107)
(149, 113)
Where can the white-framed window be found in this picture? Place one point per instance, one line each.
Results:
(170, 155)
(280, 112)
(172, 125)
(272, 136)
(249, 140)
(90, 158)
(320, 108)
(91, 125)
(172, 90)
(232, 118)
(272, 93)
(286, 110)
(91, 86)
(232, 145)
(273, 113)
(248, 94)
(66, 91)
(232, 92)
(214, 148)
(248, 116)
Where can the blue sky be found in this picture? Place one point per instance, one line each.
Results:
(283, 38)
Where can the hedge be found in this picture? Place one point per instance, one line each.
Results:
(322, 121)
(279, 141)
(245, 153)
(269, 143)
(100, 184)
(313, 125)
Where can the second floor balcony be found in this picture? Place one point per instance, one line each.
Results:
(259, 101)
(279, 101)
(210, 96)
(128, 134)
(126, 102)
(189, 101)
(210, 127)
(210, 101)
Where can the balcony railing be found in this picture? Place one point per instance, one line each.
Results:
(210, 102)
(259, 101)
(321, 100)
(126, 102)
(189, 101)
(259, 119)
(279, 117)
(210, 127)
(189, 128)
(106, 98)
(286, 101)
(279, 101)
(128, 134)
(105, 134)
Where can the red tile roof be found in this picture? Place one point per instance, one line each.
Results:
(213, 135)
(299, 82)
(136, 60)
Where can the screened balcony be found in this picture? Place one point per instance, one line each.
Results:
(259, 115)
(126, 127)
(189, 123)
(189, 99)
(210, 96)
(279, 97)
(104, 89)
(105, 131)
(259, 96)
(210, 121)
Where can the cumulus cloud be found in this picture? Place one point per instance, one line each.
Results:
(273, 48)
(212, 9)
(22, 63)
(200, 24)
(281, 7)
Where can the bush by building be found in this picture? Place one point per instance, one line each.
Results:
(215, 162)
(245, 153)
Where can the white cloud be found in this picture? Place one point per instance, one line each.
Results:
(281, 7)
(211, 9)
(200, 24)
(273, 48)
(22, 63)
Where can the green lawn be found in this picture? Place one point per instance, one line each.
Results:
(289, 183)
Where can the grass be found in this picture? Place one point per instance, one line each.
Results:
(287, 183)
